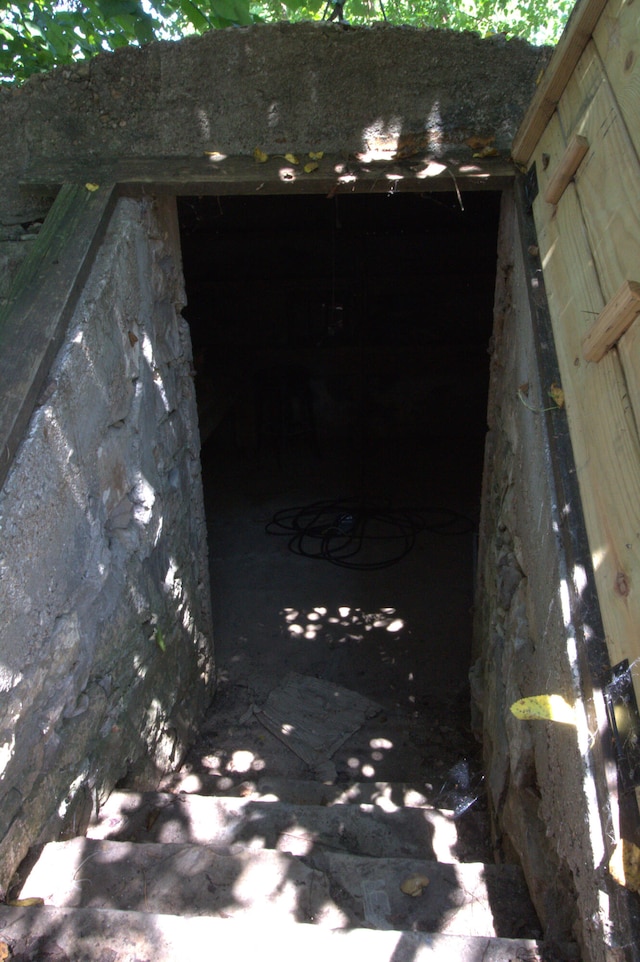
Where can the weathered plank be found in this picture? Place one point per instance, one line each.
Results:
(218, 174)
(617, 39)
(576, 35)
(41, 301)
(603, 429)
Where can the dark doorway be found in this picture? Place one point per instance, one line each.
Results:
(385, 302)
(341, 354)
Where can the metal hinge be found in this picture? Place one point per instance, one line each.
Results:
(530, 186)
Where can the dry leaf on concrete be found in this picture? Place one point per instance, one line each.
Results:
(414, 885)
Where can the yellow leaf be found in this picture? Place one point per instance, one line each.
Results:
(291, 158)
(624, 865)
(4, 951)
(487, 152)
(260, 156)
(92, 187)
(25, 903)
(316, 154)
(545, 707)
(479, 143)
(414, 885)
(309, 168)
(557, 394)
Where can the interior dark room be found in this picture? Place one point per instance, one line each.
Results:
(341, 350)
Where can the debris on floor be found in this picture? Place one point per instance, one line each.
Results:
(314, 718)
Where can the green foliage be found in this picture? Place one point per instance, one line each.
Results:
(36, 35)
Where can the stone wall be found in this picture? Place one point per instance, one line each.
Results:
(538, 779)
(105, 636)
(105, 647)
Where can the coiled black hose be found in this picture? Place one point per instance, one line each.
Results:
(342, 531)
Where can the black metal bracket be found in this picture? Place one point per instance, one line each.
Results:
(622, 709)
(531, 189)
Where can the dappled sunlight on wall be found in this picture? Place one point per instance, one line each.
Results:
(105, 642)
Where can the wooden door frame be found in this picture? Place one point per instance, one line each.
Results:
(48, 286)
(46, 289)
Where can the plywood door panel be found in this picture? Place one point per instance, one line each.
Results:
(617, 40)
(629, 351)
(603, 432)
(608, 180)
(577, 33)
(608, 185)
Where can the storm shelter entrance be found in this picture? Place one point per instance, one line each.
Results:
(341, 349)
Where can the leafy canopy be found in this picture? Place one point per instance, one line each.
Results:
(36, 35)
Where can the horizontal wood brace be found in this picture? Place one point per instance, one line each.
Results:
(569, 163)
(618, 315)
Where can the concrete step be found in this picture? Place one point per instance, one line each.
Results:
(328, 889)
(386, 795)
(94, 935)
(231, 825)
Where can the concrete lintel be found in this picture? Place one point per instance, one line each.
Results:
(332, 173)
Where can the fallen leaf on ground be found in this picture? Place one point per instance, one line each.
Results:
(309, 168)
(260, 156)
(25, 903)
(624, 865)
(291, 158)
(92, 187)
(414, 885)
(316, 154)
(477, 143)
(487, 152)
(557, 394)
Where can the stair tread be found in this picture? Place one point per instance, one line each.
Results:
(388, 795)
(91, 935)
(231, 824)
(330, 889)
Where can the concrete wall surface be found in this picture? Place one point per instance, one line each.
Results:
(280, 87)
(538, 773)
(105, 649)
(105, 635)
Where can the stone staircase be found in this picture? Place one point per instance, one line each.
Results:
(294, 870)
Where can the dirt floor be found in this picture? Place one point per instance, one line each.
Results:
(398, 634)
